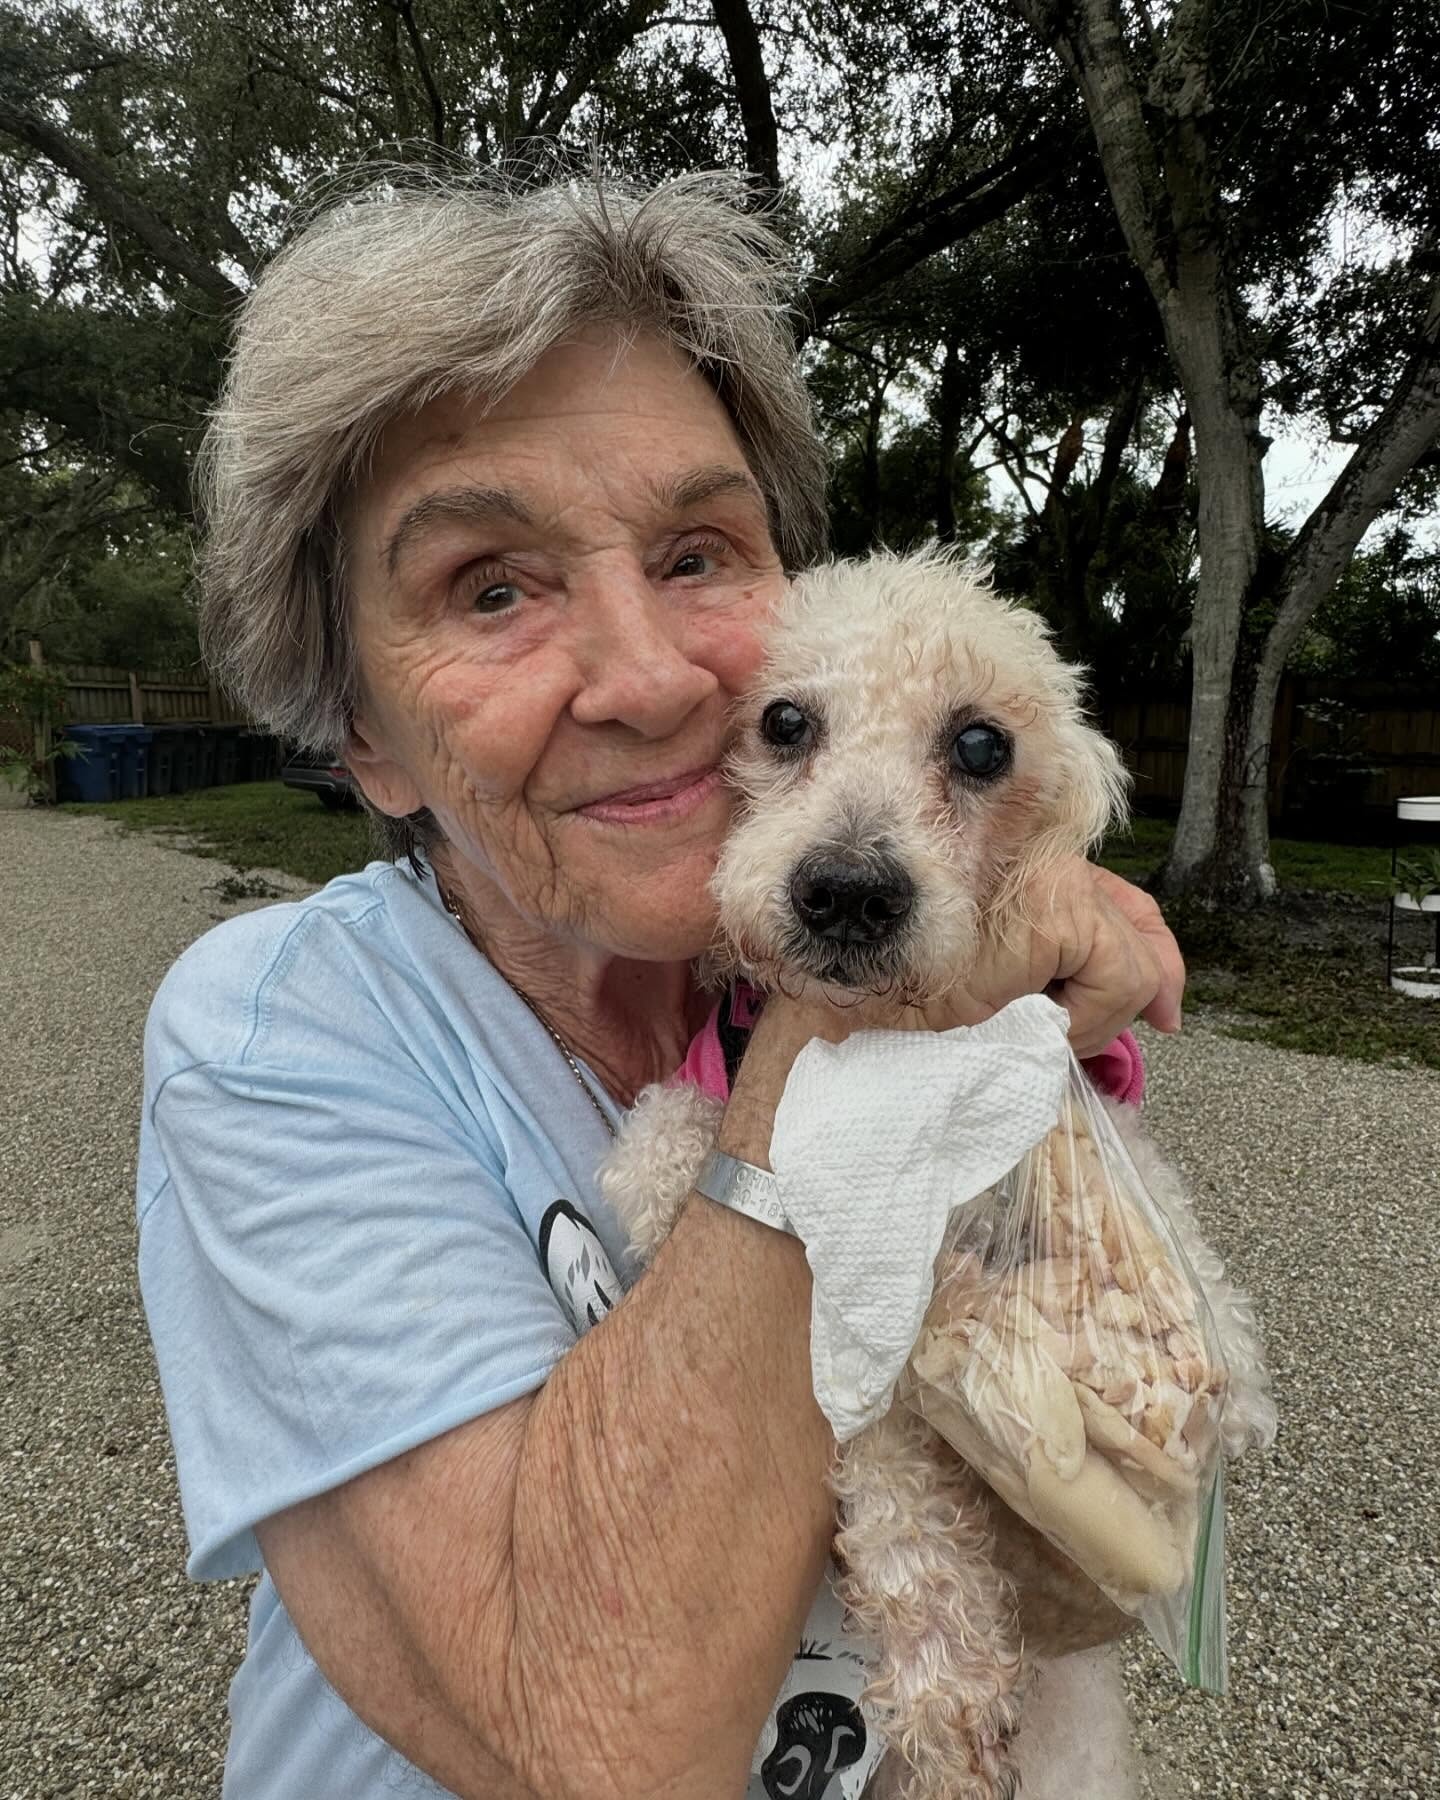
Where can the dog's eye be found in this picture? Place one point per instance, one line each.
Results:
(980, 751)
(782, 723)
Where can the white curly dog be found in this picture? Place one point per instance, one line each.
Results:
(912, 755)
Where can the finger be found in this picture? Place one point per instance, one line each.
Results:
(1164, 1010)
(1119, 978)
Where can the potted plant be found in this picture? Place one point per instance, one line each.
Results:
(1416, 887)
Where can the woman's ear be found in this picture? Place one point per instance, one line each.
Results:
(386, 783)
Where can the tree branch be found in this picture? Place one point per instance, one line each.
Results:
(598, 55)
(271, 64)
(1088, 38)
(1008, 449)
(936, 225)
(62, 264)
(422, 62)
(1405, 429)
(752, 88)
(39, 451)
(82, 507)
(119, 206)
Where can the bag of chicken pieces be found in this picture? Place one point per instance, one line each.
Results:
(1070, 1358)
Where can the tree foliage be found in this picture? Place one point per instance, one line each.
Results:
(1002, 290)
(1382, 622)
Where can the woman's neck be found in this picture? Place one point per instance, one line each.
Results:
(631, 1022)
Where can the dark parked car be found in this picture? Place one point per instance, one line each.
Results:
(332, 781)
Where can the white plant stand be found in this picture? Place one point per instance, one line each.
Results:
(1420, 981)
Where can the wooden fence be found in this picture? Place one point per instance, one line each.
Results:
(96, 695)
(1341, 750)
(1348, 750)
(102, 696)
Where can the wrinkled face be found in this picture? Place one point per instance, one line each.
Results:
(556, 600)
(911, 755)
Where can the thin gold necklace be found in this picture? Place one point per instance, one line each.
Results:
(520, 994)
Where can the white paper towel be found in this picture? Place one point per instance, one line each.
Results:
(876, 1141)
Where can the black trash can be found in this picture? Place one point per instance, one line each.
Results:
(160, 762)
(131, 743)
(186, 759)
(227, 754)
(205, 746)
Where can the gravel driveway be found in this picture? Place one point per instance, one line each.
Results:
(1319, 1178)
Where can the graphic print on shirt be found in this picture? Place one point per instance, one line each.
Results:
(818, 1743)
(818, 1735)
(815, 1744)
(576, 1263)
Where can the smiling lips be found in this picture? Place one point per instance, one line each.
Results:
(657, 802)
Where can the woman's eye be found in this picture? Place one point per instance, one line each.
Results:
(980, 751)
(693, 562)
(496, 596)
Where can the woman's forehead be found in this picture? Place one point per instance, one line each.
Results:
(634, 412)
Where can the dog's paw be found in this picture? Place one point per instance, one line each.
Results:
(646, 1177)
(946, 1760)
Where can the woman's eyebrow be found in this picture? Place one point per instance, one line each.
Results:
(699, 485)
(467, 505)
(484, 505)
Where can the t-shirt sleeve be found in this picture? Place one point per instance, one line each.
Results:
(331, 1265)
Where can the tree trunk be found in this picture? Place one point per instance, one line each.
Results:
(1067, 548)
(949, 406)
(752, 88)
(1231, 515)
(1237, 871)
(1152, 135)
(870, 465)
(1172, 217)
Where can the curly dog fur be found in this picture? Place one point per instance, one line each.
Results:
(885, 662)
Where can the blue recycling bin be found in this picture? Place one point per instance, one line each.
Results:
(92, 775)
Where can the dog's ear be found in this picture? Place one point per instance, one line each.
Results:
(1085, 797)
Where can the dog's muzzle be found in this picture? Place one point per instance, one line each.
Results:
(851, 899)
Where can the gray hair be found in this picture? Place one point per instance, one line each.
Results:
(422, 284)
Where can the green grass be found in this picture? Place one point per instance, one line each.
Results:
(1306, 974)
(1359, 869)
(253, 825)
(1320, 991)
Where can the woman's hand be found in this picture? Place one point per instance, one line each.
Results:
(1095, 943)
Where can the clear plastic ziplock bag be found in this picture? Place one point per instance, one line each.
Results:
(1070, 1358)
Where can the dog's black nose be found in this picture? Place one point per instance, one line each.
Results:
(850, 899)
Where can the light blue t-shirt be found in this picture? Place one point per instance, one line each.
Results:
(368, 1214)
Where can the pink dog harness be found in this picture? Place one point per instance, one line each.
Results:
(714, 1055)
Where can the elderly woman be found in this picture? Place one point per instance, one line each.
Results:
(500, 491)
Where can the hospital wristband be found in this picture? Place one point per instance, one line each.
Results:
(742, 1187)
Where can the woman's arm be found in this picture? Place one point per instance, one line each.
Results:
(596, 1591)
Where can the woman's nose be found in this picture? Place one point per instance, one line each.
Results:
(634, 666)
